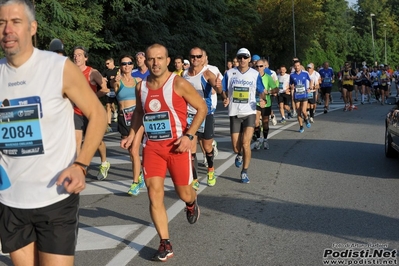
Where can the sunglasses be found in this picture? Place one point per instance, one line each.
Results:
(259, 66)
(126, 63)
(240, 57)
(192, 56)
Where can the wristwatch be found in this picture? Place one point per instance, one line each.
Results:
(189, 136)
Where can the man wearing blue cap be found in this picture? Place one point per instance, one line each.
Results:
(255, 58)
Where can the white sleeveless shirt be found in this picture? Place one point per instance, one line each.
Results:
(37, 127)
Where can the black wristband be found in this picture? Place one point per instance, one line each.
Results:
(81, 164)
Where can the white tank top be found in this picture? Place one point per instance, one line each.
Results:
(38, 139)
(242, 90)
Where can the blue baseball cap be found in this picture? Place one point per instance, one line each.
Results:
(255, 57)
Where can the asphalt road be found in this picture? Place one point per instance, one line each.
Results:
(328, 186)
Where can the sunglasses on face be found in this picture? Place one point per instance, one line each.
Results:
(240, 57)
(259, 66)
(192, 56)
(126, 63)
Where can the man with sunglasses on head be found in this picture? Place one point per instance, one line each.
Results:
(142, 70)
(240, 86)
(203, 80)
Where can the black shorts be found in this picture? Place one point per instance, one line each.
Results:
(366, 83)
(80, 122)
(111, 100)
(325, 90)
(358, 83)
(348, 87)
(312, 100)
(54, 228)
(266, 111)
(285, 98)
(238, 123)
(122, 127)
(209, 129)
(384, 88)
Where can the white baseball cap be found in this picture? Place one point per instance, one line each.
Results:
(186, 62)
(244, 51)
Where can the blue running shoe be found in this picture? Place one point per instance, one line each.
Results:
(134, 189)
(244, 178)
(301, 130)
(238, 161)
(141, 180)
(308, 125)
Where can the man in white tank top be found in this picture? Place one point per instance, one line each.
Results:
(40, 172)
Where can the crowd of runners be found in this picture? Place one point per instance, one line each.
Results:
(248, 88)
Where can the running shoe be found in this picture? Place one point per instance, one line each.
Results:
(134, 189)
(283, 121)
(346, 108)
(164, 252)
(211, 177)
(266, 144)
(103, 171)
(238, 160)
(294, 114)
(192, 212)
(195, 184)
(325, 109)
(274, 120)
(308, 125)
(257, 144)
(215, 148)
(289, 116)
(301, 130)
(244, 178)
(311, 120)
(141, 180)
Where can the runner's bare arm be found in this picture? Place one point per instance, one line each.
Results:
(187, 91)
(76, 88)
(95, 76)
(215, 81)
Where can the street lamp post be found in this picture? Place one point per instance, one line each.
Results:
(293, 26)
(372, 34)
(385, 28)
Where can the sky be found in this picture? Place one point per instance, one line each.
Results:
(352, 2)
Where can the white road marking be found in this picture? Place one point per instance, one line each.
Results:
(103, 237)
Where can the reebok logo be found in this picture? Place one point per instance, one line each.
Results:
(18, 83)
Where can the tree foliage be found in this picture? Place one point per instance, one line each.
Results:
(325, 30)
